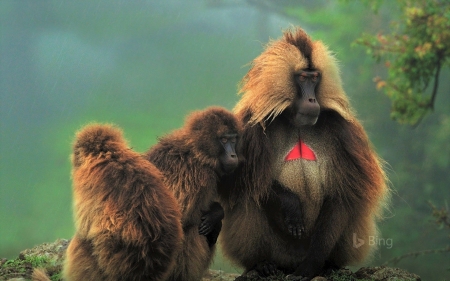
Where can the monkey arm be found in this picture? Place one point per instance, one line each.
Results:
(284, 209)
(211, 223)
(331, 223)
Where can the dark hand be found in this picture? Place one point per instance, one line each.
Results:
(284, 211)
(294, 224)
(210, 219)
(206, 225)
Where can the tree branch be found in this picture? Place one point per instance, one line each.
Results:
(416, 254)
(436, 84)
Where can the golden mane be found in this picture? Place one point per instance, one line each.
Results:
(268, 88)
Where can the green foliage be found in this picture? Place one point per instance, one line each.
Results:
(441, 216)
(34, 261)
(23, 266)
(439, 149)
(442, 219)
(47, 257)
(414, 53)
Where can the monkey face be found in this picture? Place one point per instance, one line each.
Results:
(213, 134)
(228, 157)
(305, 110)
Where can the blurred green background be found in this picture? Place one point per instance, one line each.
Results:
(144, 65)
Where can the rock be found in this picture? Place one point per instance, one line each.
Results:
(47, 255)
(381, 273)
(215, 275)
(319, 278)
(50, 257)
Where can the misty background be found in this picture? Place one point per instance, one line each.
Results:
(144, 65)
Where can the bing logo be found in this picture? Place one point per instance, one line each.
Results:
(373, 240)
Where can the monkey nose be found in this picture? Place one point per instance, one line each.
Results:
(312, 100)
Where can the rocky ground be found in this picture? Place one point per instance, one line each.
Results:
(50, 256)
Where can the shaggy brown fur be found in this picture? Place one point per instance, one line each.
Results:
(127, 222)
(189, 161)
(340, 194)
(39, 274)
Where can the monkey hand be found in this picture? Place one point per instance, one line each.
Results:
(293, 218)
(211, 219)
(209, 229)
(206, 225)
(295, 226)
(291, 210)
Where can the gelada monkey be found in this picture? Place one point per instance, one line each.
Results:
(127, 221)
(311, 180)
(193, 160)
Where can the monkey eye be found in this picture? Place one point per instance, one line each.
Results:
(302, 77)
(233, 140)
(223, 140)
(315, 77)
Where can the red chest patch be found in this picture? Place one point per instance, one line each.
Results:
(301, 151)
